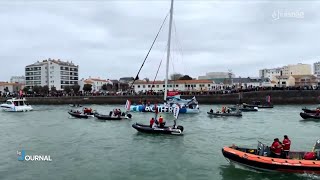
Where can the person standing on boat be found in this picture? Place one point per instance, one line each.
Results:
(286, 145)
(161, 122)
(276, 148)
(151, 122)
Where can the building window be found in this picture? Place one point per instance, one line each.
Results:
(138, 86)
(157, 86)
(153, 86)
(177, 85)
(149, 86)
(164, 86)
(144, 86)
(208, 85)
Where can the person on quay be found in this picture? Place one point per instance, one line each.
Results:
(276, 148)
(286, 146)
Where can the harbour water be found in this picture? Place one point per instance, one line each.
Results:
(92, 149)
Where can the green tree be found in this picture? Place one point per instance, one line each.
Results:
(26, 89)
(109, 87)
(45, 89)
(185, 77)
(67, 89)
(36, 89)
(104, 87)
(175, 76)
(53, 89)
(76, 88)
(87, 88)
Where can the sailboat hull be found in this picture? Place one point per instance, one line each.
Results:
(162, 109)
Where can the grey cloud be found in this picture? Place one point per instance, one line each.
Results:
(111, 39)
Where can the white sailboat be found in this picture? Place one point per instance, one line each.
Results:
(186, 105)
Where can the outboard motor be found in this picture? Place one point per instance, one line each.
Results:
(181, 128)
(129, 116)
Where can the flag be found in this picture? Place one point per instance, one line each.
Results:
(127, 106)
(176, 111)
(268, 99)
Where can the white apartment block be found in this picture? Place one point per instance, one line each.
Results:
(292, 69)
(52, 73)
(316, 69)
(18, 79)
(270, 73)
(216, 75)
(180, 85)
(96, 83)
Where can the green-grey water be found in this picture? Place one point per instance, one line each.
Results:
(92, 149)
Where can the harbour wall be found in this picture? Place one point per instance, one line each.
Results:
(277, 97)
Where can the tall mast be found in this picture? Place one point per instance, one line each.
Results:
(168, 52)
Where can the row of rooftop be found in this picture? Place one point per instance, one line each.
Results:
(267, 77)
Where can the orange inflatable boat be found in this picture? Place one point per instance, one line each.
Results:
(259, 159)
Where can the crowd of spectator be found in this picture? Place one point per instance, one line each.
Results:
(121, 93)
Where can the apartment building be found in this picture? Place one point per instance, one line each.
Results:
(53, 73)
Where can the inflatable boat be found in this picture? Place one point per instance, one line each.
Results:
(309, 115)
(306, 110)
(108, 117)
(259, 159)
(158, 130)
(78, 114)
(219, 114)
(244, 109)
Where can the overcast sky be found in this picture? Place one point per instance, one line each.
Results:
(109, 39)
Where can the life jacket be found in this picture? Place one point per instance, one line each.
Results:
(286, 144)
(276, 148)
(161, 120)
(151, 121)
(309, 156)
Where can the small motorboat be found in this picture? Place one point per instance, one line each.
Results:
(258, 104)
(306, 110)
(155, 129)
(259, 159)
(305, 115)
(16, 105)
(158, 130)
(75, 105)
(79, 114)
(111, 117)
(244, 109)
(220, 114)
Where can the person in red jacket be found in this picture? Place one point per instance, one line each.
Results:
(286, 145)
(151, 122)
(276, 148)
(161, 122)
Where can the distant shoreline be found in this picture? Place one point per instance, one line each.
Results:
(277, 97)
